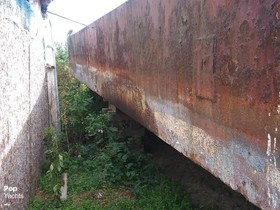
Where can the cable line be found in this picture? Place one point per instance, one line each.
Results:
(66, 18)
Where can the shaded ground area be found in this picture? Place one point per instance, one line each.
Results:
(203, 188)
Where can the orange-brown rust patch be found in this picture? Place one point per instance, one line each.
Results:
(212, 65)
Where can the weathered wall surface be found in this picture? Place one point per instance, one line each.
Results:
(203, 75)
(23, 100)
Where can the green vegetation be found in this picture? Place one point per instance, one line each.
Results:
(105, 170)
(98, 180)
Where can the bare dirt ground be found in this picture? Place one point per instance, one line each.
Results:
(204, 190)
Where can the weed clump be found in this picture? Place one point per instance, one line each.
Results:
(105, 169)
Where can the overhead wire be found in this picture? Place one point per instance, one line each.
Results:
(52, 13)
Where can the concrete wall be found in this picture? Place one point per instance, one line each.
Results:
(23, 100)
(203, 75)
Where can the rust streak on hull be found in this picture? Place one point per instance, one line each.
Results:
(202, 75)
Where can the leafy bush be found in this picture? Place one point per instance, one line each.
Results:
(101, 159)
(54, 158)
(76, 101)
(98, 127)
(123, 165)
(76, 105)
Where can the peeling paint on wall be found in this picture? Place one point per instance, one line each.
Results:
(24, 6)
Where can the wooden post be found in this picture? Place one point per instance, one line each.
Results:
(63, 188)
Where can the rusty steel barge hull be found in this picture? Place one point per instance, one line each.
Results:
(203, 75)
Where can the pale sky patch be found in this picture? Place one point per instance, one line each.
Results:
(83, 11)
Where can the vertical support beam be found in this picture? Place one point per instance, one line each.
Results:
(51, 78)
